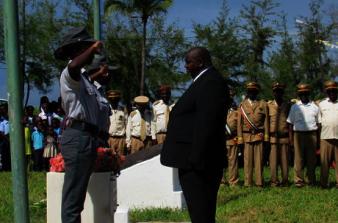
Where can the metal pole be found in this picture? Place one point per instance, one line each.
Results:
(97, 19)
(20, 191)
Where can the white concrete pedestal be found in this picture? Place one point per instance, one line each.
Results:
(100, 198)
(144, 185)
(149, 184)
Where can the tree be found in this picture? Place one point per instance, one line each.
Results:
(259, 20)
(315, 65)
(283, 62)
(221, 37)
(165, 51)
(2, 40)
(144, 9)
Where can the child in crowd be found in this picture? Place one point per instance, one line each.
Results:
(38, 145)
(50, 149)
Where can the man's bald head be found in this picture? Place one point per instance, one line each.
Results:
(201, 54)
(197, 59)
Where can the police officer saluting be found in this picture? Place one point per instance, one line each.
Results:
(81, 103)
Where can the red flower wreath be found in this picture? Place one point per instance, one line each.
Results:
(107, 160)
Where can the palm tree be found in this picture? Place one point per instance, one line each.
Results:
(144, 9)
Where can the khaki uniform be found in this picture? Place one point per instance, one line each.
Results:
(232, 148)
(139, 134)
(328, 117)
(161, 117)
(279, 140)
(117, 130)
(252, 139)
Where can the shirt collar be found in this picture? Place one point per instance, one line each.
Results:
(307, 104)
(200, 74)
(328, 99)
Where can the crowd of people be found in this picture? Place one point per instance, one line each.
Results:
(42, 129)
(277, 133)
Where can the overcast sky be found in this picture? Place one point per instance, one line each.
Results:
(185, 12)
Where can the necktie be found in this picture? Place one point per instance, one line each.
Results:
(167, 116)
(143, 132)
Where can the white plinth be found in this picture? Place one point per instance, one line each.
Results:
(98, 207)
(149, 184)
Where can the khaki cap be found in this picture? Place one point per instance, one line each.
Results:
(303, 88)
(252, 85)
(141, 100)
(114, 94)
(330, 85)
(277, 85)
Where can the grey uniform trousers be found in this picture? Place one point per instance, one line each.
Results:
(78, 149)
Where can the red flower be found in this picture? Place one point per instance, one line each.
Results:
(57, 163)
(107, 160)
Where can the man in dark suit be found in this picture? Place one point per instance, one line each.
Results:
(196, 137)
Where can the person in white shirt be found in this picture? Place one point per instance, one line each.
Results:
(118, 123)
(328, 118)
(139, 134)
(161, 110)
(303, 124)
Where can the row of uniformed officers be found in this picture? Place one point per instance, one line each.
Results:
(143, 127)
(299, 127)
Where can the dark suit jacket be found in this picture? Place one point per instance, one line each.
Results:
(196, 136)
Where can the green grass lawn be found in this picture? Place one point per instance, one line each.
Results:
(238, 204)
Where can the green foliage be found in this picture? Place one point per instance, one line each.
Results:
(315, 66)
(283, 62)
(164, 52)
(37, 197)
(142, 8)
(238, 204)
(221, 38)
(2, 49)
(252, 204)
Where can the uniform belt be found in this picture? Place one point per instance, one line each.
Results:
(112, 136)
(138, 137)
(279, 134)
(310, 131)
(254, 131)
(83, 126)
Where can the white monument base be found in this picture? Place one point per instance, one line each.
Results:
(149, 184)
(99, 204)
(144, 185)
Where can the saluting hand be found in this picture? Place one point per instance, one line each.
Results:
(97, 47)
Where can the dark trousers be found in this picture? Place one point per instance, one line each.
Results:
(5, 153)
(38, 159)
(200, 191)
(78, 149)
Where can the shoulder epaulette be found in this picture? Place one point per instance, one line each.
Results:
(133, 113)
(294, 101)
(156, 102)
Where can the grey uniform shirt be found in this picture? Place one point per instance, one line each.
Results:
(79, 98)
